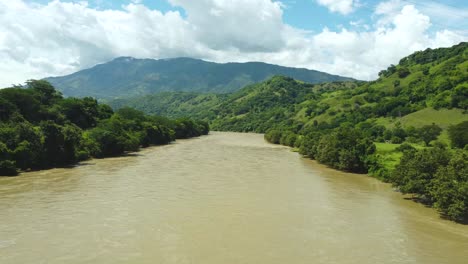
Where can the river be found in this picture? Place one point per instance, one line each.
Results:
(219, 199)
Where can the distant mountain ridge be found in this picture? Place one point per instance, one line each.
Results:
(127, 76)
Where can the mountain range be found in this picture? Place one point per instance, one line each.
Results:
(127, 77)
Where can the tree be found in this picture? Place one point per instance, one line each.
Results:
(460, 96)
(28, 148)
(82, 112)
(346, 149)
(45, 91)
(273, 136)
(309, 144)
(450, 187)
(25, 101)
(7, 166)
(417, 169)
(6, 109)
(104, 111)
(428, 133)
(61, 143)
(458, 135)
(403, 72)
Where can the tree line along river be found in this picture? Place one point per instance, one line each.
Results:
(222, 198)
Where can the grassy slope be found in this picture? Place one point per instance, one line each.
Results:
(173, 104)
(389, 155)
(427, 116)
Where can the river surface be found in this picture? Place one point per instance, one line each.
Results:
(226, 198)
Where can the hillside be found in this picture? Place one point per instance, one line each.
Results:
(129, 77)
(427, 87)
(173, 104)
(432, 79)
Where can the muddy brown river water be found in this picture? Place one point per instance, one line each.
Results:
(226, 198)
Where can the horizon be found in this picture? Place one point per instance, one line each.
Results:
(348, 38)
(190, 58)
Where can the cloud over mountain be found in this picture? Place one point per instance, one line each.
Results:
(39, 40)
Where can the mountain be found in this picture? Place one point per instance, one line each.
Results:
(426, 87)
(126, 76)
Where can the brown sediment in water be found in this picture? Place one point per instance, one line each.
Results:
(224, 198)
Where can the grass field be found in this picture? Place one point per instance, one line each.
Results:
(443, 117)
(389, 155)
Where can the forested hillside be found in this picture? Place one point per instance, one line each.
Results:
(409, 127)
(40, 129)
(174, 104)
(129, 77)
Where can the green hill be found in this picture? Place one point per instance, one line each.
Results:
(129, 77)
(173, 104)
(427, 87)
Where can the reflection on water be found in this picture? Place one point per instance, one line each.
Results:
(223, 198)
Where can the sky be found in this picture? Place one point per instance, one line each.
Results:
(354, 38)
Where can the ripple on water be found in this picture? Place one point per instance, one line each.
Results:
(223, 198)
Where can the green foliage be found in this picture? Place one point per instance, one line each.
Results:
(273, 136)
(417, 170)
(84, 113)
(309, 145)
(25, 101)
(426, 133)
(345, 149)
(40, 129)
(173, 104)
(403, 72)
(460, 96)
(450, 187)
(458, 135)
(7, 166)
(46, 93)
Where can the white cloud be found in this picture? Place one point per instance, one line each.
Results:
(59, 38)
(225, 24)
(340, 6)
(442, 15)
(389, 7)
(363, 54)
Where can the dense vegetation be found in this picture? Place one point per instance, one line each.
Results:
(41, 129)
(129, 77)
(173, 104)
(409, 127)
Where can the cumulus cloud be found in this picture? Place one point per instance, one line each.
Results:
(441, 15)
(61, 37)
(340, 6)
(223, 24)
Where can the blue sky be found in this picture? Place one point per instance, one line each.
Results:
(355, 38)
(309, 15)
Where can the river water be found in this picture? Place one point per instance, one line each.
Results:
(223, 198)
